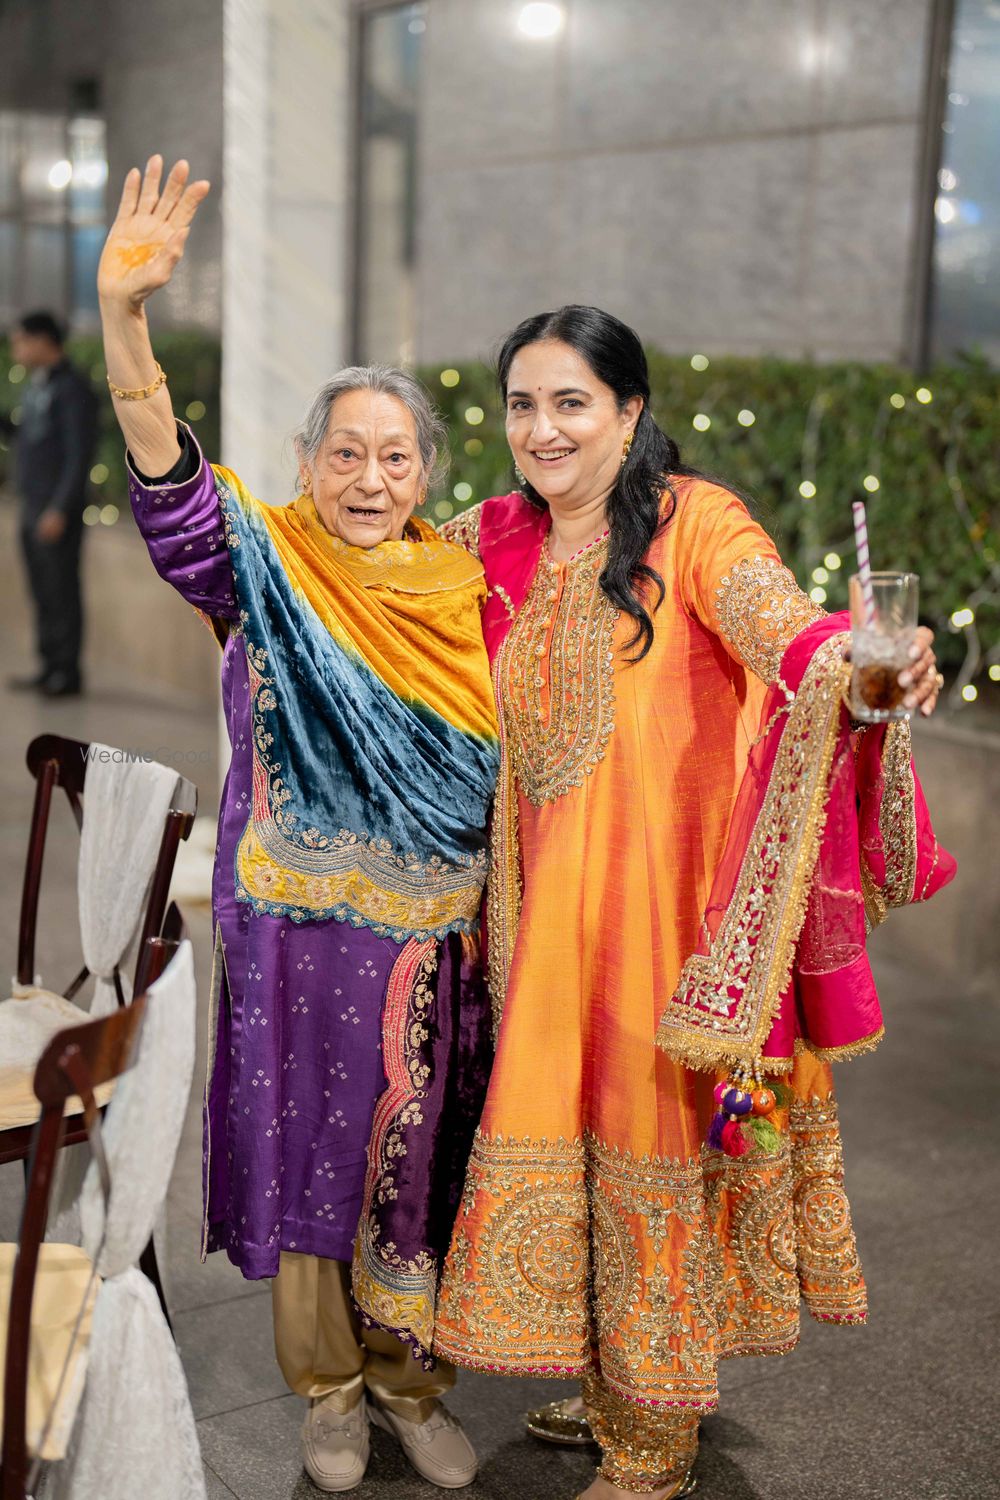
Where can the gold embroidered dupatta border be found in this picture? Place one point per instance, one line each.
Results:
(391, 1292)
(752, 952)
(503, 881)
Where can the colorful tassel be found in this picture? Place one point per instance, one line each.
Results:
(737, 1101)
(715, 1132)
(734, 1142)
(766, 1138)
(763, 1101)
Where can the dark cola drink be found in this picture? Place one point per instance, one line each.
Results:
(883, 629)
(876, 692)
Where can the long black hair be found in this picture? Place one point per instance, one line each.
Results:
(635, 509)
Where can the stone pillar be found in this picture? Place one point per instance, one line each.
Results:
(286, 224)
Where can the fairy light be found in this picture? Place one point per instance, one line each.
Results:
(91, 515)
(194, 411)
(99, 473)
(960, 619)
(109, 515)
(16, 374)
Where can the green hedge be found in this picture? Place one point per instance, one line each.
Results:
(936, 509)
(192, 362)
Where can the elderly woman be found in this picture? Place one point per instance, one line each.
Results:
(350, 1024)
(689, 838)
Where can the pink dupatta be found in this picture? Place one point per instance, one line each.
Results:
(830, 830)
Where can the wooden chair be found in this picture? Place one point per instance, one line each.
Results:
(47, 1291)
(58, 762)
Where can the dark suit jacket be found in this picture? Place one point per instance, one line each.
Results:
(54, 442)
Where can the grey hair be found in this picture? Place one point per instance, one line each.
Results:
(432, 435)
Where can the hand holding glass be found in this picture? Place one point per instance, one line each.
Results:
(880, 647)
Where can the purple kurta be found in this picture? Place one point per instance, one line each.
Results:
(297, 1065)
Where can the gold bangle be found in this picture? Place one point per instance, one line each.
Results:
(144, 392)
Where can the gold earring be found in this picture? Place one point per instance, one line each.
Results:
(522, 482)
(627, 446)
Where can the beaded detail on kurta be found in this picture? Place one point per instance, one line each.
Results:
(761, 610)
(557, 676)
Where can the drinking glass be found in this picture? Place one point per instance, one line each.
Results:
(880, 647)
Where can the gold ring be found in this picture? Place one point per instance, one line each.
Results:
(939, 680)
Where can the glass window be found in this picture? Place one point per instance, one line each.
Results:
(43, 275)
(53, 176)
(966, 301)
(391, 46)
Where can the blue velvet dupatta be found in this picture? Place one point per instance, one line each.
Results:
(374, 731)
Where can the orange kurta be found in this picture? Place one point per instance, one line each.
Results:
(595, 1233)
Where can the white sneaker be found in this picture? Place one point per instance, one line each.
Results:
(438, 1449)
(335, 1446)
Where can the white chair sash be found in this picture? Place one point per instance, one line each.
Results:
(135, 1431)
(125, 803)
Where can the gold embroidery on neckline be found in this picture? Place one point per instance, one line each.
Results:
(557, 676)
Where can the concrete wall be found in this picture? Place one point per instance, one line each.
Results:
(734, 178)
(958, 933)
(158, 67)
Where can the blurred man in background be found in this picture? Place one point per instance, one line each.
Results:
(54, 450)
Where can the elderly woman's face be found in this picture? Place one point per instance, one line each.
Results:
(367, 477)
(563, 424)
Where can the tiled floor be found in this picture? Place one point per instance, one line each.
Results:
(902, 1407)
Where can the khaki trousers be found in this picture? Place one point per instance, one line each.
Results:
(326, 1353)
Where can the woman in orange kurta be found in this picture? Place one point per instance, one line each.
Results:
(596, 1238)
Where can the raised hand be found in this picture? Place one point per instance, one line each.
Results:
(150, 231)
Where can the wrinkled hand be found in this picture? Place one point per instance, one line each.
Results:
(921, 678)
(147, 239)
(50, 526)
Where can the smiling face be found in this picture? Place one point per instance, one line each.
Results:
(564, 425)
(367, 477)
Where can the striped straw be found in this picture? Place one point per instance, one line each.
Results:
(864, 560)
